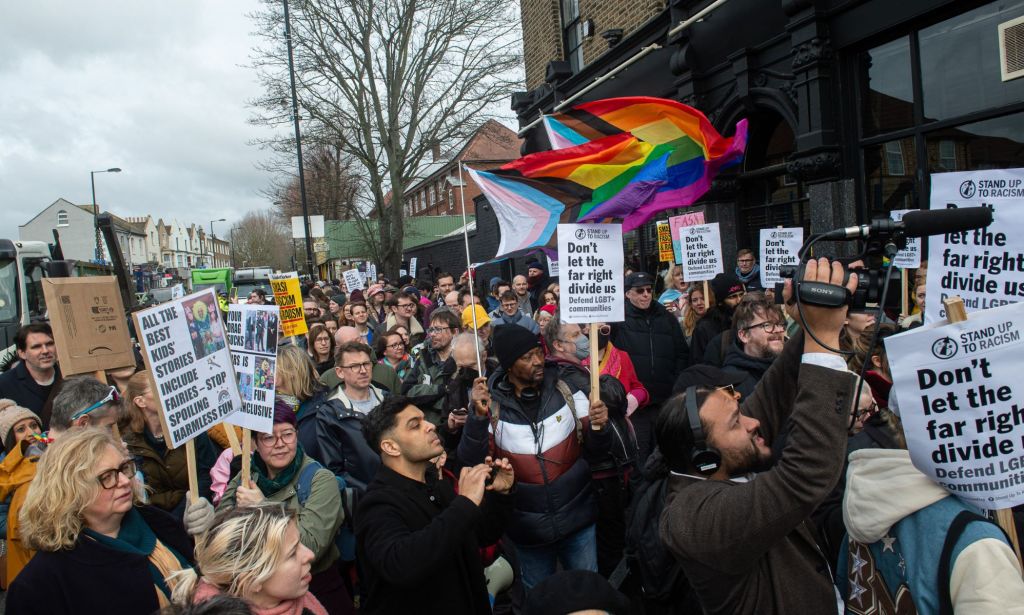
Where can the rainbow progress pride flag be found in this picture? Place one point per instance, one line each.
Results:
(621, 158)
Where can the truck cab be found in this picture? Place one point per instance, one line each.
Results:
(249, 279)
(23, 265)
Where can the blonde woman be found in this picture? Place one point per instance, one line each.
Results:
(98, 550)
(252, 553)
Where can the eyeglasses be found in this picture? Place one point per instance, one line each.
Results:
(406, 306)
(647, 290)
(396, 345)
(359, 367)
(109, 478)
(269, 439)
(112, 396)
(433, 330)
(767, 326)
(873, 408)
(728, 389)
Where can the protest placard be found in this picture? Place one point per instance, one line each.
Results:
(984, 266)
(412, 266)
(665, 254)
(371, 273)
(702, 252)
(675, 223)
(353, 280)
(910, 256)
(185, 348)
(779, 247)
(959, 403)
(252, 338)
(552, 267)
(592, 287)
(288, 297)
(177, 291)
(89, 324)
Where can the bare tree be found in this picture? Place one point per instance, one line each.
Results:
(332, 186)
(260, 240)
(388, 80)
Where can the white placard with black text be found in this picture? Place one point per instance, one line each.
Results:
(353, 280)
(592, 287)
(702, 251)
(910, 256)
(779, 247)
(252, 338)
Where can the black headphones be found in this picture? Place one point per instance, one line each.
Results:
(706, 459)
(528, 395)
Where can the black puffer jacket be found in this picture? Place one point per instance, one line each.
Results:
(713, 322)
(738, 361)
(341, 445)
(553, 496)
(656, 345)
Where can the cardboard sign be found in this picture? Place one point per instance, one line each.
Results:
(986, 266)
(412, 266)
(665, 254)
(910, 256)
(89, 325)
(592, 290)
(252, 338)
(677, 223)
(184, 345)
(288, 297)
(779, 247)
(353, 280)
(702, 252)
(959, 391)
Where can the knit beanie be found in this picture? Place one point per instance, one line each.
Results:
(512, 342)
(339, 299)
(724, 285)
(10, 414)
(549, 308)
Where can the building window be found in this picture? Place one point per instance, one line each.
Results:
(430, 197)
(572, 33)
(62, 218)
(894, 159)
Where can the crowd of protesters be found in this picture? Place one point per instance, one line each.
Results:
(436, 448)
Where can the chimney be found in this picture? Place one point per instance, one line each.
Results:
(435, 149)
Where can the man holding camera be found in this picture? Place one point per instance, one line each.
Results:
(745, 541)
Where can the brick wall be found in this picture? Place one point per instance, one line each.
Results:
(542, 33)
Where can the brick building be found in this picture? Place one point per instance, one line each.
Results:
(436, 193)
(851, 104)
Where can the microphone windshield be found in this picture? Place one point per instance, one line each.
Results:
(923, 223)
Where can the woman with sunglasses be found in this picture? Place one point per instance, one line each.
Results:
(98, 549)
(391, 346)
(280, 471)
(164, 470)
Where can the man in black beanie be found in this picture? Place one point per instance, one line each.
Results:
(549, 430)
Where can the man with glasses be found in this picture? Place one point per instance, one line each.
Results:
(747, 270)
(760, 335)
(405, 316)
(433, 365)
(726, 291)
(509, 314)
(655, 342)
(339, 422)
(743, 534)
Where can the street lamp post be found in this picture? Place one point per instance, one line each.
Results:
(96, 211)
(213, 246)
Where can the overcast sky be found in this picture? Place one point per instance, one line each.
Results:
(156, 88)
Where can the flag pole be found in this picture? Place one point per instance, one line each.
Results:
(469, 269)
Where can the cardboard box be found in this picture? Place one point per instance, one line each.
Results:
(89, 324)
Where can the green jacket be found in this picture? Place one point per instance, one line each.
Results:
(429, 376)
(165, 471)
(318, 520)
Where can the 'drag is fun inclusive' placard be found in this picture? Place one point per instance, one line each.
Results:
(252, 338)
(592, 281)
(185, 348)
(288, 297)
(779, 247)
(959, 394)
(985, 266)
(702, 252)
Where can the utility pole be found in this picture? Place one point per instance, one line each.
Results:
(298, 142)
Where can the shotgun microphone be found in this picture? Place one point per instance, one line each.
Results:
(920, 223)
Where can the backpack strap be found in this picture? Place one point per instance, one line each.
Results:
(305, 484)
(563, 388)
(956, 530)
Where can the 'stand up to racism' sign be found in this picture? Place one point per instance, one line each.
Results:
(591, 259)
(184, 345)
(958, 387)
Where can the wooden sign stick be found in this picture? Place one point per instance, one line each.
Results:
(236, 448)
(904, 292)
(956, 312)
(193, 480)
(595, 371)
(247, 458)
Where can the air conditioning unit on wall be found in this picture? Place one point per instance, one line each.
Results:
(1011, 49)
